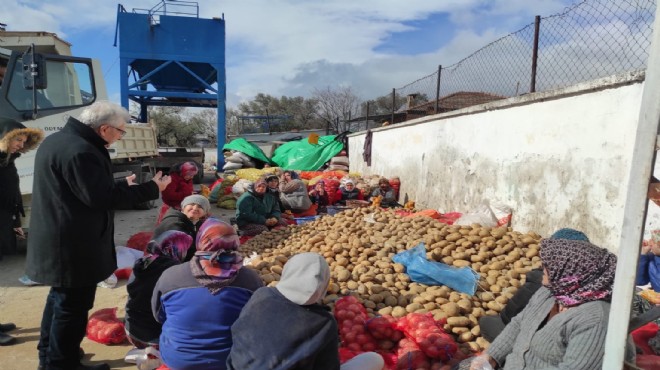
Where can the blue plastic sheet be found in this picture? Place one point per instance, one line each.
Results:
(421, 270)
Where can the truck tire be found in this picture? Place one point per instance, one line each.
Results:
(150, 204)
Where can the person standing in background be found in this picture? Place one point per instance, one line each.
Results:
(71, 246)
(15, 139)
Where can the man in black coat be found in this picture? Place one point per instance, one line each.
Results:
(71, 244)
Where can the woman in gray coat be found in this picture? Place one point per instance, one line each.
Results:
(565, 323)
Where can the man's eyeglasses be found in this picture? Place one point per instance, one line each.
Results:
(120, 130)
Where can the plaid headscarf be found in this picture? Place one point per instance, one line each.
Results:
(216, 261)
(578, 271)
(170, 244)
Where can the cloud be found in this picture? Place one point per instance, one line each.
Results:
(291, 47)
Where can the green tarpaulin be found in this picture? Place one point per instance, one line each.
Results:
(303, 156)
(244, 146)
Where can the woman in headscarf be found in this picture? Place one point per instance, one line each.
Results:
(194, 210)
(181, 185)
(293, 193)
(348, 191)
(288, 327)
(387, 194)
(491, 326)
(197, 302)
(565, 322)
(319, 196)
(257, 210)
(15, 139)
(164, 251)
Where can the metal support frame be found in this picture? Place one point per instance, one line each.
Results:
(641, 170)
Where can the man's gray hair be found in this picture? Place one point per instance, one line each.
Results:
(104, 112)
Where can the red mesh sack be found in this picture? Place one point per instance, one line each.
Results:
(383, 328)
(346, 354)
(450, 218)
(429, 335)
(642, 335)
(104, 327)
(308, 175)
(139, 240)
(351, 317)
(410, 356)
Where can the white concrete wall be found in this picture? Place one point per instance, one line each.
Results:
(559, 159)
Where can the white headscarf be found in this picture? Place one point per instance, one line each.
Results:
(305, 279)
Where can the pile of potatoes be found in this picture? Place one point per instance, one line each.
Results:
(359, 245)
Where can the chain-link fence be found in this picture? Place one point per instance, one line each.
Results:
(591, 39)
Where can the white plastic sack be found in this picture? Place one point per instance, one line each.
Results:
(232, 166)
(126, 257)
(502, 213)
(249, 164)
(240, 186)
(481, 215)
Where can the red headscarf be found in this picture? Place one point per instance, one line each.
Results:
(188, 169)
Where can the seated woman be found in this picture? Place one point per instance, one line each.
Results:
(288, 327)
(166, 250)
(181, 185)
(257, 210)
(348, 192)
(273, 183)
(319, 197)
(293, 193)
(197, 302)
(385, 191)
(194, 210)
(492, 326)
(565, 322)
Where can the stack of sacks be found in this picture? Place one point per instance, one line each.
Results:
(237, 160)
(339, 162)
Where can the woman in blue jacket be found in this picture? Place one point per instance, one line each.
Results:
(197, 302)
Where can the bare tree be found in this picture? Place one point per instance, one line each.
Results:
(337, 106)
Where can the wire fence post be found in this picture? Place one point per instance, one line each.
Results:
(535, 51)
(393, 104)
(366, 121)
(437, 90)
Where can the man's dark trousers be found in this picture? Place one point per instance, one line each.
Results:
(63, 326)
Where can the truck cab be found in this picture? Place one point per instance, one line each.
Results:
(44, 85)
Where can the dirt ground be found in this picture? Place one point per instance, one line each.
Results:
(24, 305)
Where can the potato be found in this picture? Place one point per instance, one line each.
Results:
(465, 336)
(460, 263)
(343, 275)
(451, 309)
(458, 321)
(399, 312)
(464, 305)
(459, 330)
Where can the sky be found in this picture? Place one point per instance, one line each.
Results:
(292, 47)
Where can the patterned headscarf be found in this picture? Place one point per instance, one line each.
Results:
(188, 169)
(216, 261)
(578, 271)
(170, 244)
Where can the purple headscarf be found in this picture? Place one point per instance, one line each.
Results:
(170, 244)
(578, 271)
